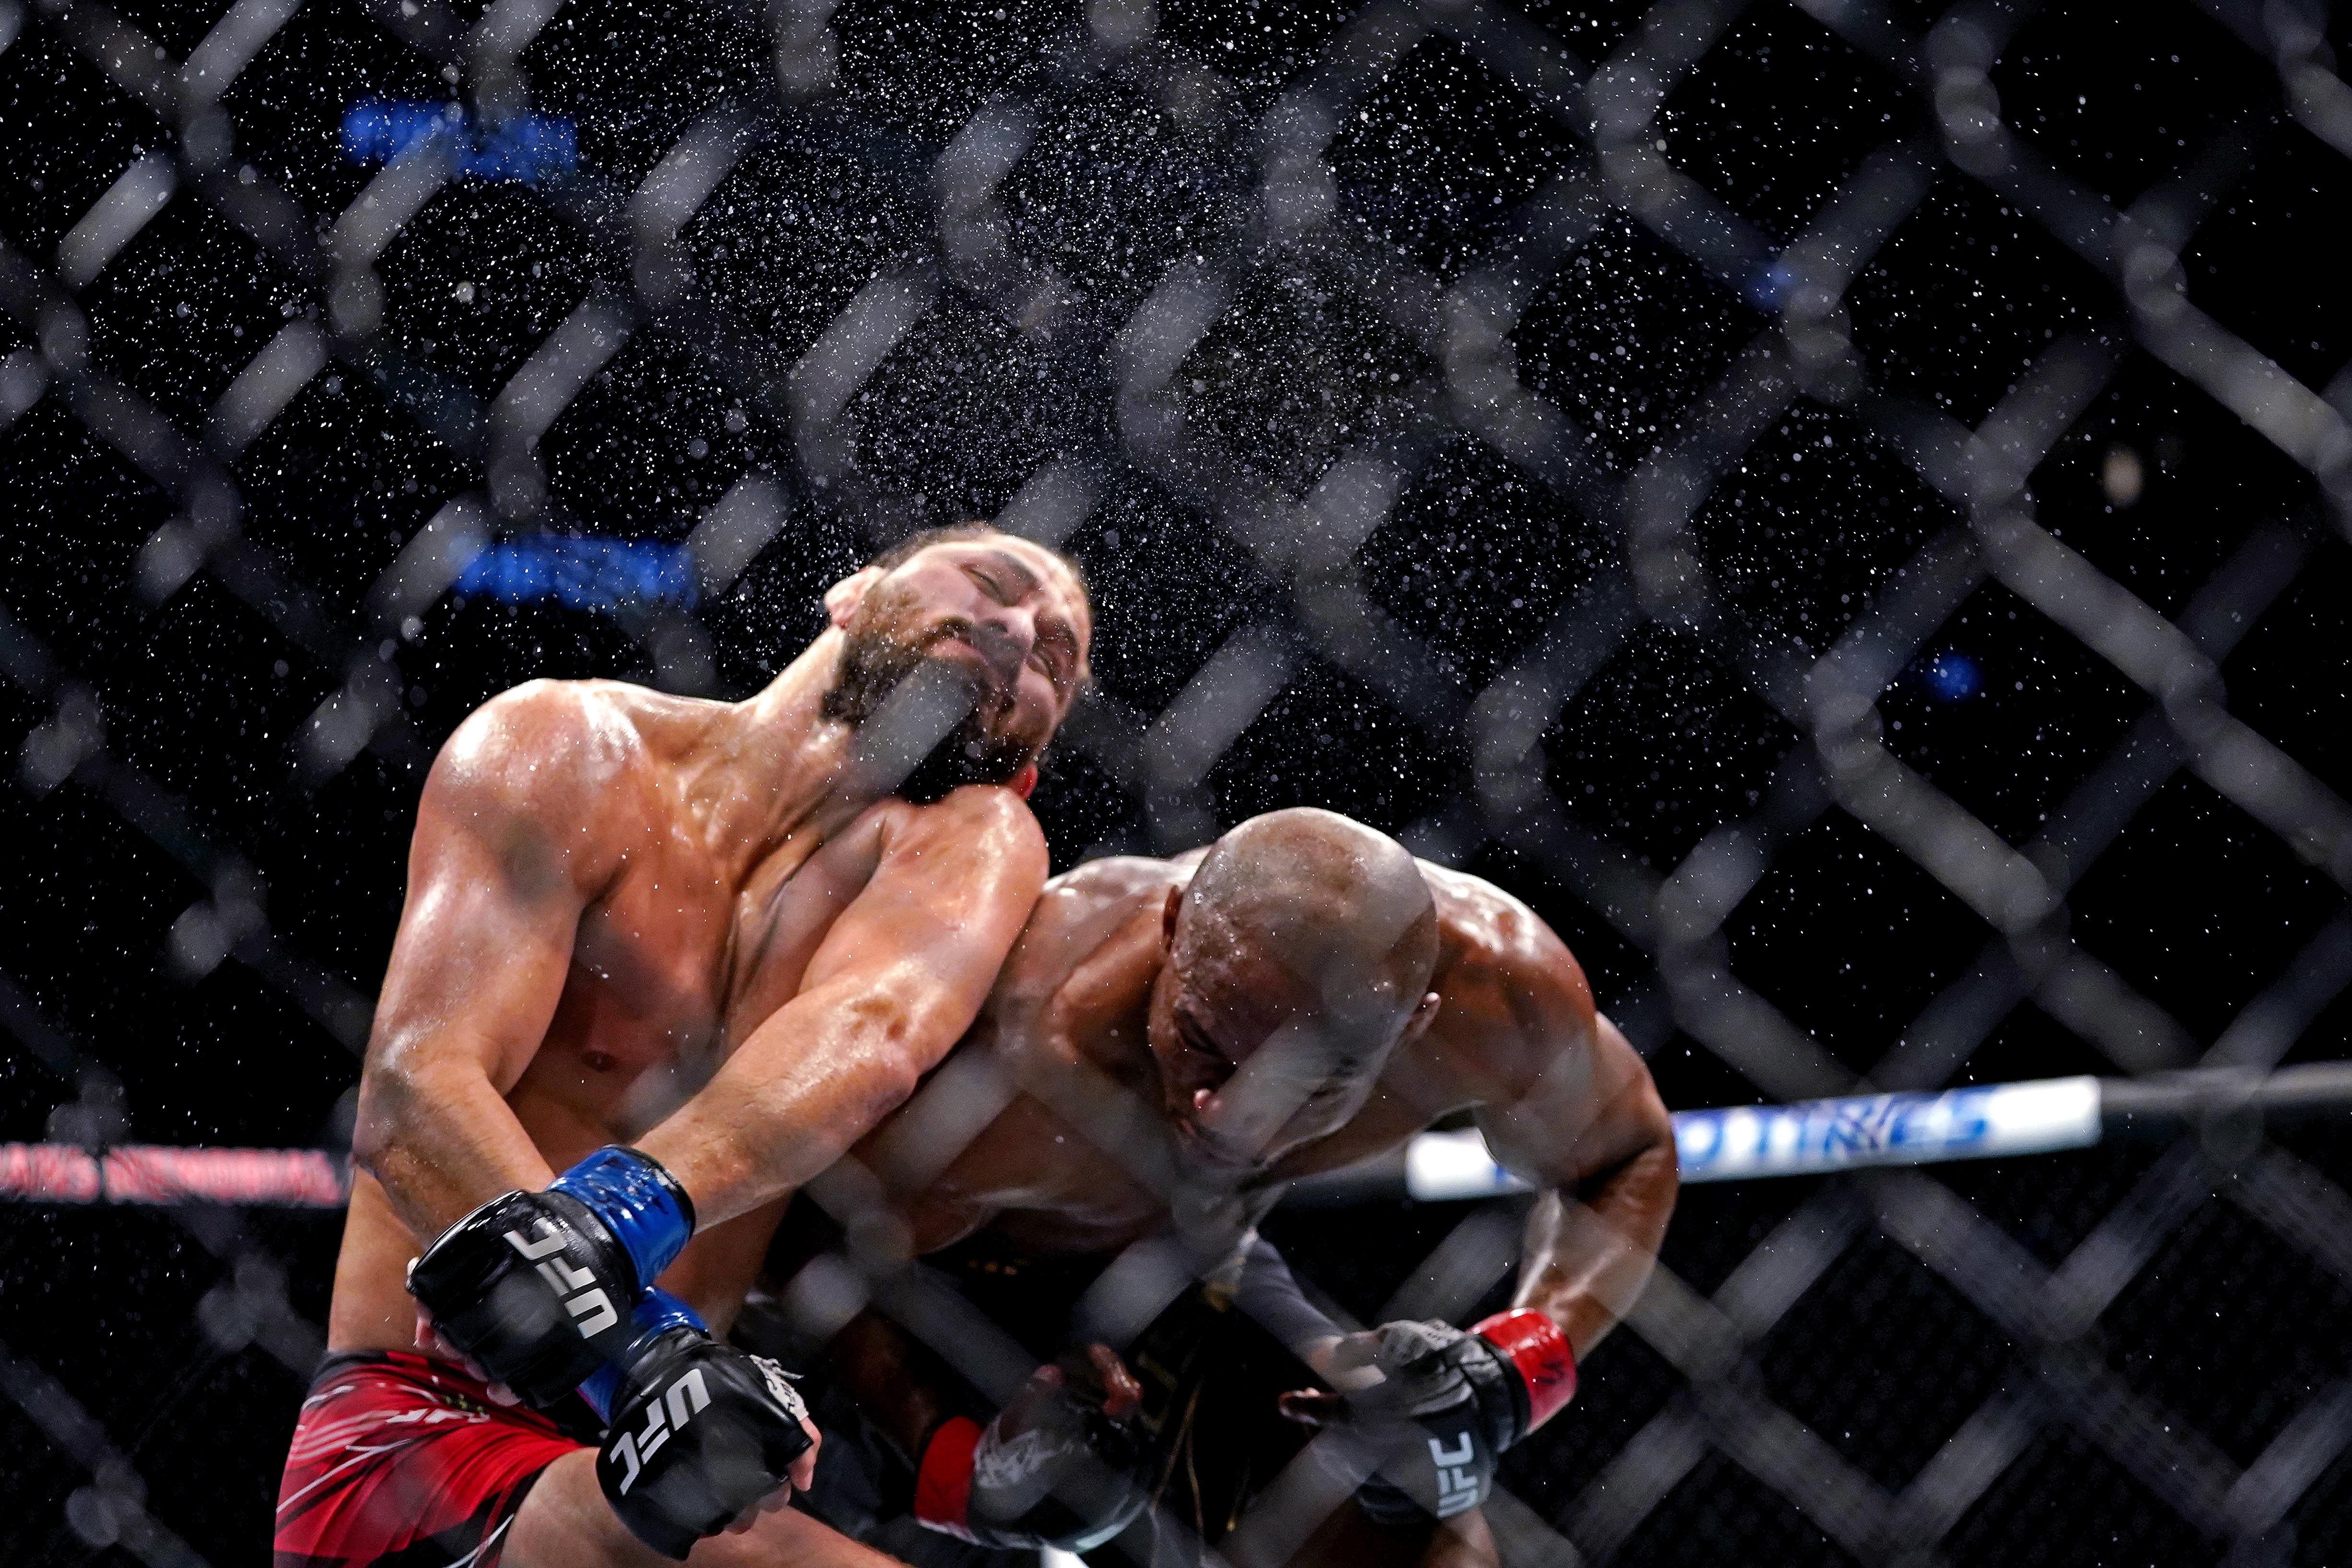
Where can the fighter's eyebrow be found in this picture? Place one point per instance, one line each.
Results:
(1025, 580)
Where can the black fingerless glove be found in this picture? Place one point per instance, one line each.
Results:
(1051, 1470)
(700, 1431)
(1454, 1405)
(1449, 1404)
(536, 1287)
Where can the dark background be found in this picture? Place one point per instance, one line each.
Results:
(2230, 1326)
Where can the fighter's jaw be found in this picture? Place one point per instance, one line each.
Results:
(996, 699)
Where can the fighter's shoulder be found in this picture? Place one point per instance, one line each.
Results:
(545, 746)
(986, 819)
(1087, 902)
(1475, 907)
(1481, 925)
(1118, 877)
(1515, 995)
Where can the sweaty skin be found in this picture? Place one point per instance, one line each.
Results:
(1508, 1030)
(692, 926)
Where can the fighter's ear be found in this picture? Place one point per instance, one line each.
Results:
(1424, 1014)
(841, 600)
(1167, 916)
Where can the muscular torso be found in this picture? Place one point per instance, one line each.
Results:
(686, 949)
(1067, 1017)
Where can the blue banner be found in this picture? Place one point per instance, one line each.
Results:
(585, 574)
(523, 148)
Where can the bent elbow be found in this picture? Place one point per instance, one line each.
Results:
(381, 1125)
(904, 1037)
(892, 1083)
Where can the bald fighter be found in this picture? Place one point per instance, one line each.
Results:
(1169, 1043)
(661, 961)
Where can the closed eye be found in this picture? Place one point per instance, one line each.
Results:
(988, 584)
(1189, 1033)
(1057, 653)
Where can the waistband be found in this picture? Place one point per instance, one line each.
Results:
(410, 1362)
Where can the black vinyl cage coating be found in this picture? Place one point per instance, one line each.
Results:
(1840, 505)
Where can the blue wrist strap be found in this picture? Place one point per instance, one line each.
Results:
(656, 1311)
(641, 1204)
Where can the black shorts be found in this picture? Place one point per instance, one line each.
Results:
(1210, 1377)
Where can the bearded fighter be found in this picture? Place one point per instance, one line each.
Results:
(1169, 1043)
(661, 961)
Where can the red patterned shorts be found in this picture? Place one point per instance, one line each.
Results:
(403, 1461)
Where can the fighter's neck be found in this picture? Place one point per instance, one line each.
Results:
(777, 767)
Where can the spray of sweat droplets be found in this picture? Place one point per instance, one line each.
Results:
(1842, 506)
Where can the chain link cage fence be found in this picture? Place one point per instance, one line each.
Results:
(1841, 505)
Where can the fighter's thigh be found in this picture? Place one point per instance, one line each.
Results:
(566, 1523)
(1349, 1540)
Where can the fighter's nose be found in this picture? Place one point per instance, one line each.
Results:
(1002, 648)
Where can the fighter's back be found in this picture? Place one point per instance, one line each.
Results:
(1068, 1017)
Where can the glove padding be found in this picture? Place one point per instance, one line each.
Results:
(1447, 1405)
(1055, 1469)
(536, 1287)
(701, 1432)
(533, 1288)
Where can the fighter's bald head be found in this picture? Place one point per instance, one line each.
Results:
(1330, 913)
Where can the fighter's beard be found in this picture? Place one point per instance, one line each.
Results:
(920, 732)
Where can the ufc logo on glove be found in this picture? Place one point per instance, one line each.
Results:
(591, 1310)
(686, 1396)
(1457, 1487)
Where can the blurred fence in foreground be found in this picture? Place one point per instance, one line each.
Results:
(1840, 505)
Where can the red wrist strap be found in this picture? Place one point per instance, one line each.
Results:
(1545, 1360)
(943, 1480)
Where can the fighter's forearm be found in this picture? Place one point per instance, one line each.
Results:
(441, 1141)
(1588, 1251)
(892, 1381)
(810, 1081)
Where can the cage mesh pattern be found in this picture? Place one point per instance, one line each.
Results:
(1843, 506)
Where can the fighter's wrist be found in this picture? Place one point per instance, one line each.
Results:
(1536, 1349)
(635, 1198)
(656, 1313)
(943, 1477)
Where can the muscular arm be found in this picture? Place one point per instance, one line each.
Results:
(899, 979)
(1596, 1135)
(495, 893)
(898, 1384)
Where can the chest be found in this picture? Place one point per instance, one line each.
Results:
(683, 957)
(1046, 1183)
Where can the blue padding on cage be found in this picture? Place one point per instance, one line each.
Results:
(585, 574)
(525, 148)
